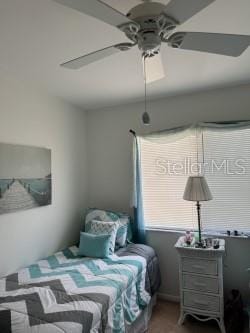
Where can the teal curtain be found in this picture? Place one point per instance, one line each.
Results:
(139, 231)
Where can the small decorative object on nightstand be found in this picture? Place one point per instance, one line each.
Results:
(201, 282)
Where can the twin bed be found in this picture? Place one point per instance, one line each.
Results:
(66, 293)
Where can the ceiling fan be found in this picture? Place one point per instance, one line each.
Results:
(150, 24)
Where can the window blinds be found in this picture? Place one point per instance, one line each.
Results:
(227, 154)
(163, 182)
(223, 156)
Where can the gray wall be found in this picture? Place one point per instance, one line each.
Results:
(110, 171)
(236, 260)
(29, 117)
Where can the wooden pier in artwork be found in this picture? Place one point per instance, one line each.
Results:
(15, 198)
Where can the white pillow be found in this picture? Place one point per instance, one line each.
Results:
(124, 230)
(107, 228)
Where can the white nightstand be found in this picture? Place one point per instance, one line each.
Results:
(201, 282)
(248, 308)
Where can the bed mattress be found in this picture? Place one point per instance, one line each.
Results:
(153, 275)
(67, 293)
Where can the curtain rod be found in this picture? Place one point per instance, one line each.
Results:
(132, 132)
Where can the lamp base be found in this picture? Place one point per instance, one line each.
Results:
(199, 245)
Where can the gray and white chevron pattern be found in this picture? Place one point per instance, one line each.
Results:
(108, 228)
(66, 293)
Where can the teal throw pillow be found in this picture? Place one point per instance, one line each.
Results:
(95, 246)
(106, 228)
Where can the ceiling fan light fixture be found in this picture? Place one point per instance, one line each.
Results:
(154, 69)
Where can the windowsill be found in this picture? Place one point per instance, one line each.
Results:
(182, 232)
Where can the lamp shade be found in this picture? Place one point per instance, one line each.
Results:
(197, 189)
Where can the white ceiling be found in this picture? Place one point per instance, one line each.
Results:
(37, 35)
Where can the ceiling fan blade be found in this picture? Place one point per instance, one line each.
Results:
(182, 10)
(97, 9)
(97, 55)
(224, 44)
(154, 69)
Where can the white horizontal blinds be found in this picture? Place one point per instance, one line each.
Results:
(165, 166)
(227, 154)
(168, 160)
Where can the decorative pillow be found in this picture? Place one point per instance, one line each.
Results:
(123, 220)
(121, 236)
(96, 246)
(108, 228)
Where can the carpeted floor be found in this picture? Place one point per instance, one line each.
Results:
(165, 317)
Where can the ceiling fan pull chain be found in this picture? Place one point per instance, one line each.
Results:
(145, 116)
(145, 83)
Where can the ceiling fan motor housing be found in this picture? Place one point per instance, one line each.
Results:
(149, 43)
(146, 9)
(153, 27)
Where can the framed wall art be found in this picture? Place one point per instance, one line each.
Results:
(25, 177)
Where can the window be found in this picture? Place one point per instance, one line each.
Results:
(224, 158)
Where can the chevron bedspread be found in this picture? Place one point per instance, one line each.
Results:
(66, 293)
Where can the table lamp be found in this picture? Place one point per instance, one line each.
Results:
(197, 190)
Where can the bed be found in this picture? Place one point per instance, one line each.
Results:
(67, 293)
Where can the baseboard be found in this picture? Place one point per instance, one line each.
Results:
(167, 297)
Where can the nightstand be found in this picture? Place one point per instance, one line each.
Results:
(248, 308)
(201, 282)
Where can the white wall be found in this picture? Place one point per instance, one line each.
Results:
(110, 171)
(32, 118)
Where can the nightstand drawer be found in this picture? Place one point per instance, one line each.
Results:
(200, 283)
(193, 265)
(201, 302)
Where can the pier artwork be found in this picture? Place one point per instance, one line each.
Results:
(25, 177)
